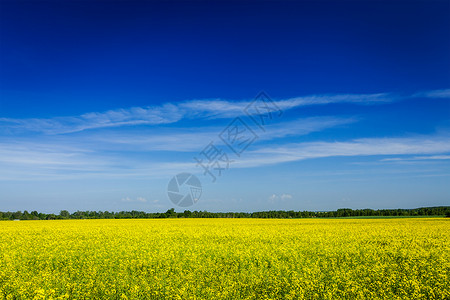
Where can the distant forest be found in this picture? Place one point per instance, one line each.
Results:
(171, 213)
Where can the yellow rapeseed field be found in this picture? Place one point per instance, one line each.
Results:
(225, 259)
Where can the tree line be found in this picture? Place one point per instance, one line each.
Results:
(279, 214)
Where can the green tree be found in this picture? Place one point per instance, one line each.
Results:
(64, 214)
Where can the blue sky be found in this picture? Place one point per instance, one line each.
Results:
(102, 102)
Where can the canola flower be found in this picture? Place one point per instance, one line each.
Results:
(225, 259)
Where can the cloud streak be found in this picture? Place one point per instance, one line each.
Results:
(107, 154)
(130, 153)
(24, 161)
(138, 199)
(194, 139)
(445, 93)
(170, 113)
(417, 158)
(358, 147)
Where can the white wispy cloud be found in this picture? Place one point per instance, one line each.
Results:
(286, 196)
(444, 93)
(274, 197)
(138, 199)
(439, 144)
(37, 160)
(366, 99)
(25, 161)
(418, 158)
(164, 114)
(104, 154)
(169, 113)
(195, 139)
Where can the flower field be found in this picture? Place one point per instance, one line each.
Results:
(226, 259)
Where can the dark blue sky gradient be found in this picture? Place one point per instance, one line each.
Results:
(69, 57)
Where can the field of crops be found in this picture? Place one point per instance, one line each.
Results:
(225, 259)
